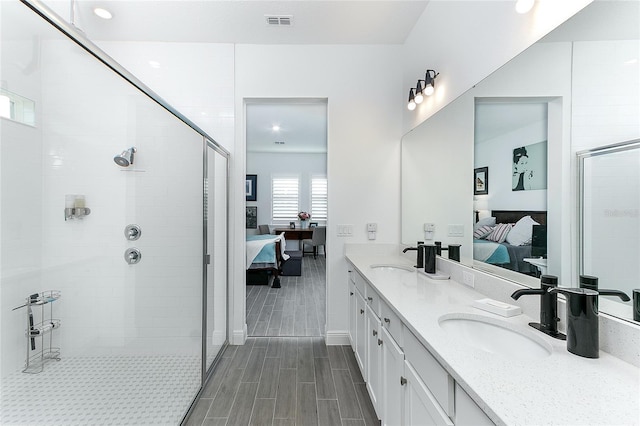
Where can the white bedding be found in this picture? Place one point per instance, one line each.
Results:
(254, 247)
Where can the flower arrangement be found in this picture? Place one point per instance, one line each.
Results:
(304, 216)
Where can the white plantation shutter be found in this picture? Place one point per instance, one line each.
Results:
(284, 195)
(319, 198)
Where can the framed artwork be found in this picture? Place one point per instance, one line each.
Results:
(481, 181)
(251, 187)
(529, 167)
(292, 225)
(252, 217)
(313, 224)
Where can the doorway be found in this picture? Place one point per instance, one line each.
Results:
(286, 166)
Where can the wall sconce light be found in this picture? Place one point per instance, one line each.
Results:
(423, 88)
(412, 100)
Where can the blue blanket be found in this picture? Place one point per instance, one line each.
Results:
(499, 255)
(268, 252)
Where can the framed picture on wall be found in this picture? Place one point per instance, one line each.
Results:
(252, 217)
(481, 181)
(251, 187)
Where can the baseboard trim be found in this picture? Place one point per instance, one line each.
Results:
(238, 337)
(337, 337)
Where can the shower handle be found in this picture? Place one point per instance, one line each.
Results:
(132, 255)
(132, 232)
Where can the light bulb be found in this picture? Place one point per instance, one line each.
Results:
(102, 13)
(411, 105)
(428, 90)
(523, 6)
(419, 98)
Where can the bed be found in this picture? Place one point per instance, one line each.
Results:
(265, 253)
(505, 253)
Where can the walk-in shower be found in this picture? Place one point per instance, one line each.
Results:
(125, 159)
(135, 340)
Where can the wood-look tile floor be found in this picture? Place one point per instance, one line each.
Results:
(295, 309)
(287, 381)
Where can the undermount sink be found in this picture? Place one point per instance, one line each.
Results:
(495, 336)
(393, 268)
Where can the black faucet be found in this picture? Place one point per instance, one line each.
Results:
(548, 306)
(582, 319)
(420, 258)
(454, 250)
(591, 282)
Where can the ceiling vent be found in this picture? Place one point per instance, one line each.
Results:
(279, 20)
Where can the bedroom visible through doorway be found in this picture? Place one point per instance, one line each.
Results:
(287, 197)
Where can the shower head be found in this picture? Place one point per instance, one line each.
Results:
(125, 159)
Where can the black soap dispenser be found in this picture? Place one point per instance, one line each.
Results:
(430, 259)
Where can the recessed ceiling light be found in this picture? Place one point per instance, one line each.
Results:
(523, 6)
(275, 128)
(154, 64)
(102, 13)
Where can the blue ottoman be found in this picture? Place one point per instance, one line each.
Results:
(292, 267)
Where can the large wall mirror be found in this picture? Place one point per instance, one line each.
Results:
(505, 152)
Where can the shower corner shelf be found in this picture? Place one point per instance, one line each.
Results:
(41, 332)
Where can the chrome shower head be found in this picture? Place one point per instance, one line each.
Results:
(125, 159)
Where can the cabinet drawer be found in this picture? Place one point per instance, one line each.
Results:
(373, 300)
(391, 322)
(359, 281)
(430, 371)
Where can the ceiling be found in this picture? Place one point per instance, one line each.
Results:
(302, 126)
(240, 21)
(497, 119)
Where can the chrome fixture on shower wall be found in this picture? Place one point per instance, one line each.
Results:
(125, 159)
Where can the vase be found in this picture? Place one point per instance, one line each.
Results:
(303, 224)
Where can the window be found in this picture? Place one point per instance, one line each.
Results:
(284, 196)
(319, 198)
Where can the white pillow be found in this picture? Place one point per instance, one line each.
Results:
(522, 231)
(500, 232)
(487, 221)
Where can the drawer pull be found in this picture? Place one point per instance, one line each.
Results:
(375, 332)
(379, 342)
(387, 320)
(361, 311)
(403, 381)
(350, 293)
(370, 299)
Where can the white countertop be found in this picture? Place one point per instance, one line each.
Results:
(561, 389)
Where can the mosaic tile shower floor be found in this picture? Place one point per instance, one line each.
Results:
(118, 390)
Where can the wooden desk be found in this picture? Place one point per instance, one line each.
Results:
(297, 234)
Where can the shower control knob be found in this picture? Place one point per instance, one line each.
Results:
(132, 232)
(132, 256)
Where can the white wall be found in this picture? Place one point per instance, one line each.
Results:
(363, 86)
(195, 78)
(466, 41)
(267, 165)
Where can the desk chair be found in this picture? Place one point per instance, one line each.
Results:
(264, 229)
(319, 238)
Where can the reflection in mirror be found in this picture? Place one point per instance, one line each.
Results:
(17, 108)
(586, 74)
(610, 225)
(510, 140)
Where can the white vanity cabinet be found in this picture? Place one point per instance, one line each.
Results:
(407, 385)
